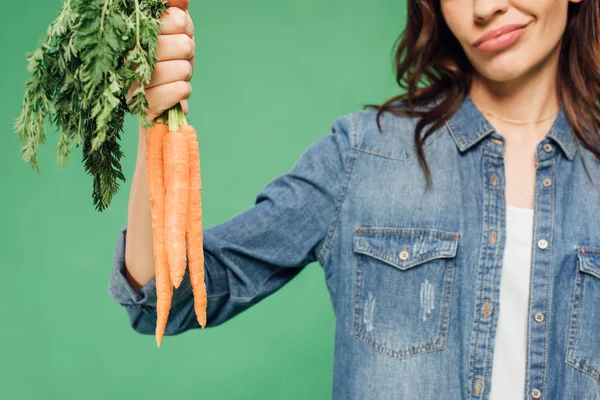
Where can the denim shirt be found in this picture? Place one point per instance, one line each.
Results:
(413, 274)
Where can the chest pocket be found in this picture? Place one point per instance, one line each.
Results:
(583, 346)
(403, 289)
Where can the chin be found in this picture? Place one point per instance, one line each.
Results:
(502, 69)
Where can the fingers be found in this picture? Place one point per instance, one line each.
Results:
(175, 47)
(184, 106)
(163, 97)
(175, 21)
(169, 83)
(171, 71)
(193, 59)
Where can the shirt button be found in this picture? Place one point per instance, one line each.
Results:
(547, 147)
(539, 317)
(493, 237)
(404, 254)
(542, 243)
(494, 179)
(547, 182)
(487, 309)
(478, 386)
(536, 394)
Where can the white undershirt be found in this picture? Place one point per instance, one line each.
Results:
(508, 369)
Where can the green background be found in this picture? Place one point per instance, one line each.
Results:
(271, 76)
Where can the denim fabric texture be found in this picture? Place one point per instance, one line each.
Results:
(413, 274)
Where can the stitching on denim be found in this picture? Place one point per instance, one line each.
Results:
(494, 322)
(396, 354)
(357, 291)
(448, 281)
(350, 158)
(447, 235)
(576, 359)
(583, 253)
(578, 296)
(588, 250)
(480, 272)
(447, 248)
(430, 255)
(572, 319)
(439, 343)
(585, 369)
(487, 365)
(572, 358)
(452, 129)
(359, 140)
(549, 278)
(413, 154)
(571, 150)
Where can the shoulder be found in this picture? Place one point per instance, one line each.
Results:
(394, 140)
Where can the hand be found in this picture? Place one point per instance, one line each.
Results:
(170, 81)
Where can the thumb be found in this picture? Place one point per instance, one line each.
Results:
(184, 106)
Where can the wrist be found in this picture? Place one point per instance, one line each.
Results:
(141, 153)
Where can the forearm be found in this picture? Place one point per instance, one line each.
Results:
(139, 257)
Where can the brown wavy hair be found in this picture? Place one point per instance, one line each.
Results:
(430, 64)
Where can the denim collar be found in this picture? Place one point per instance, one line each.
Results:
(469, 126)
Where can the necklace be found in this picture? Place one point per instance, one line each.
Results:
(516, 121)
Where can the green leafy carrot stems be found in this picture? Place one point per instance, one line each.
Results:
(81, 72)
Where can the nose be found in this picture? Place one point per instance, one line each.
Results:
(485, 10)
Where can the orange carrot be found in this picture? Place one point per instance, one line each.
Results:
(156, 187)
(176, 163)
(194, 238)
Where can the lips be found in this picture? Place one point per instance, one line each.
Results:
(493, 33)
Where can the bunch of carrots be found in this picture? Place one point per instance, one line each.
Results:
(87, 60)
(173, 173)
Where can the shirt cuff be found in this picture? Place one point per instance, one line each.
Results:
(121, 291)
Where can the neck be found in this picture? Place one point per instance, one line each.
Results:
(529, 97)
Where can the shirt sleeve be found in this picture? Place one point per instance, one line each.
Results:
(256, 252)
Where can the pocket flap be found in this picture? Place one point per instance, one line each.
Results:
(404, 248)
(589, 260)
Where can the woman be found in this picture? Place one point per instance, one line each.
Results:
(471, 194)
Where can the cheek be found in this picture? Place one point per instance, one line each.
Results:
(452, 16)
(553, 22)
